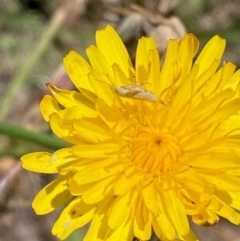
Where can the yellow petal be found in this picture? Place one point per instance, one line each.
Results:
(233, 82)
(109, 115)
(166, 76)
(203, 80)
(51, 196)
(230, 214)
(99, 229)
(191, 236)
(74, 216)
(70, 98)
(224, 111)
(149, 196)
(120, 211)
(154, 82)
(114, 51)
(163, 223)
(216, 161)
(177, 111)
(212, 51)
(48, 106)
(223, 181)
(61, 129)
(176, 210)
(157, 229)
(91, 130)
(99, 191)
(98, 171)
(187, 50)
(76, 189)
(39, 162)
(99, 62)
(100, 150)
(102, 87)
(235, 199)
(142, 222)
(77, 69)
(63, 122)
(123, 233)
(142, 61)
(127, 181)
(120, 78)
(223, 79)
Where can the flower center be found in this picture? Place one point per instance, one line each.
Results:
(155, 151)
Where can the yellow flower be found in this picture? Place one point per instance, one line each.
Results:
(151, 145)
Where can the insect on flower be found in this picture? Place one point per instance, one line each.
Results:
(136, 91)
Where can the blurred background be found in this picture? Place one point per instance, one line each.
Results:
(34, 37)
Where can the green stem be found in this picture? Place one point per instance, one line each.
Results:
(36, 137)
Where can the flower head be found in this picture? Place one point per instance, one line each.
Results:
(151, 145)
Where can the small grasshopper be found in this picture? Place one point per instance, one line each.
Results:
(136, 91)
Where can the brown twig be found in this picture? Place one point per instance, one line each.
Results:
(151, 17)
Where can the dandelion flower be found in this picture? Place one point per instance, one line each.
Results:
(151, 145)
